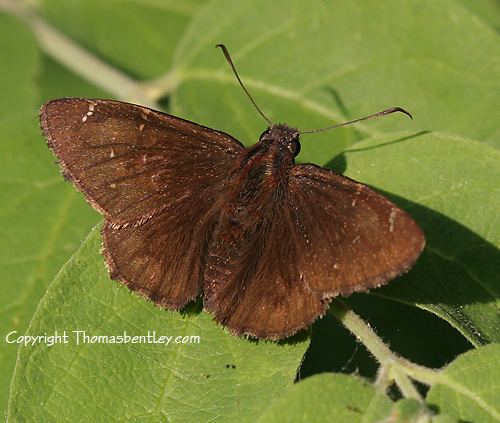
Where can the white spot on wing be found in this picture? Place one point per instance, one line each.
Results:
(112, 154)
(112, 185)
(90, 112)
(392, 218)
(141, 126)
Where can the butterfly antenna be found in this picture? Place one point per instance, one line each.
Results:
(228, 58)
(382, 113)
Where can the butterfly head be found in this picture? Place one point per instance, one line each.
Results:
(282, 135)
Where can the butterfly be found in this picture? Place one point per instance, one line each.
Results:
(190, 211)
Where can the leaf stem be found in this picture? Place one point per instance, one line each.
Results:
(393, 367)
(79, 60)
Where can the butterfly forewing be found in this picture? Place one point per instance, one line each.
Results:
(131, 161)
(155, 178)
(352, 238)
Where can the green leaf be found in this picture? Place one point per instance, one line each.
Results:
(18, 66)
(468, 388)
(222, 377)
(306, 64)
(444, 418)
(313, 65)
(43, 220)
(487, 10)
(449, 186)
(138, 37)
(326, 398)
(57, 81)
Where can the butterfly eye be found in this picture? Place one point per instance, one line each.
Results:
(294, 147)
(264, 135)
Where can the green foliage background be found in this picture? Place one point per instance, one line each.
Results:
(308, 63)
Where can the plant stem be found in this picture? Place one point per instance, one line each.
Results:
(83, 63)
(421, 373)
(389, 361)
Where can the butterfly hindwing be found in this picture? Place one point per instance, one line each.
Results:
(253, 278)
(162, 259)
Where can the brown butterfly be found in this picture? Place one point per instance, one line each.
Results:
(189, 210)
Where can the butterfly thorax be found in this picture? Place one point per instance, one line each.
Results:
(263, 168)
